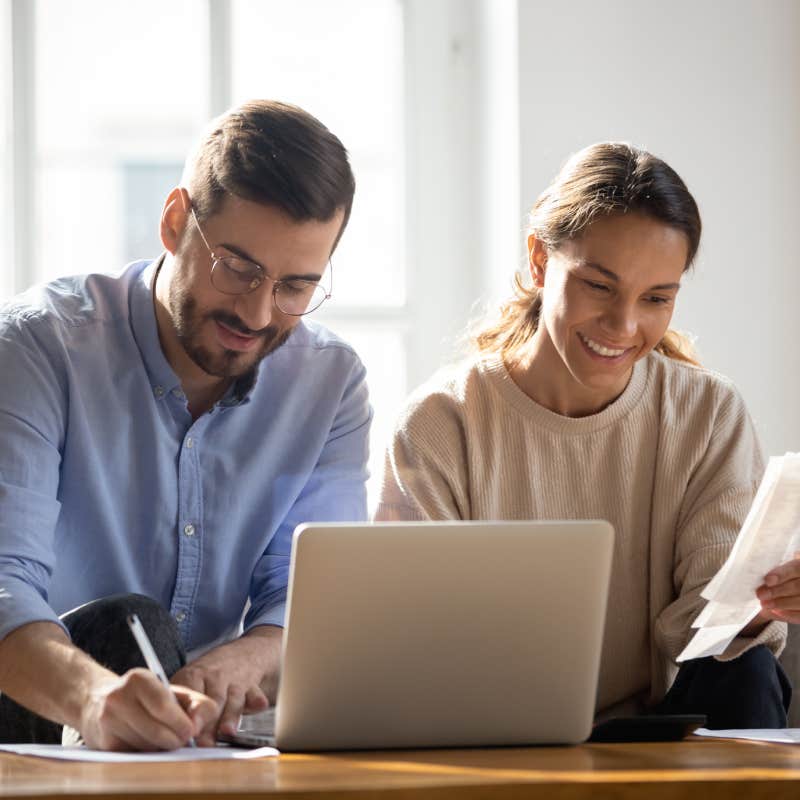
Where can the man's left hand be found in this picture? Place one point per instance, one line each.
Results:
(233, 675)
(780, 592)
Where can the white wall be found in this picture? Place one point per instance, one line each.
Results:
(711, 86)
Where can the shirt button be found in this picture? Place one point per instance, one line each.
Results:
(177, 393)
(158, 391)
(180, 616)
(189, 442)
(188, 529)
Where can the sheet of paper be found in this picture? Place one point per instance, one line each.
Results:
(750, 526)
(79, 753)
(780, 735)
(769, 536)
(772, 535)
(723, 614)
(709, 641)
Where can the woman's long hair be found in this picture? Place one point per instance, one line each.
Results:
(602, 179)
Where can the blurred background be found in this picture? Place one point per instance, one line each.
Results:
(456, 113)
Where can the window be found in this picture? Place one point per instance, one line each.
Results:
(114, 116)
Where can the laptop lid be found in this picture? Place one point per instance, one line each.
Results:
(445, 634)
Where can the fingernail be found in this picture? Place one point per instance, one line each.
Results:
(771, 580)
(764, 594)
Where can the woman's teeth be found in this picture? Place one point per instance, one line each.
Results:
(600, 350)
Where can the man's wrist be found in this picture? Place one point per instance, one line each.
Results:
(270, 640)
(91, 679)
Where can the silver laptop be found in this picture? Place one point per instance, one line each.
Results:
(445, 634)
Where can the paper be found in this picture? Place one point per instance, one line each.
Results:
(80, 753)
(769, 536)
(780, 735)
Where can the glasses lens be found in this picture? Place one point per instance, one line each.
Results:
(236, 275)
(299, 297)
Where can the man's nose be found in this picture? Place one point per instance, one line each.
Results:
(257, 308)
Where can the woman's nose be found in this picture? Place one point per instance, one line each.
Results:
(621, 320)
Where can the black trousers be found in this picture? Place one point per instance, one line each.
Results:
(100, 629)
(751, 691)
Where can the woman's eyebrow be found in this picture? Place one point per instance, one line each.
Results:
(602, 270)
(614, 277)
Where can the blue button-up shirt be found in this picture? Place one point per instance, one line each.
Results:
(107, 485)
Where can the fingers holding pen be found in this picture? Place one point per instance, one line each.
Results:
(136, 711)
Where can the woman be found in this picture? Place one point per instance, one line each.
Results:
(581, 403)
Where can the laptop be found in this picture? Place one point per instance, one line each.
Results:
(441, 634)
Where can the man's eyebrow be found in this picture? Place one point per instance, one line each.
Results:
(241, 253)
(614, 277)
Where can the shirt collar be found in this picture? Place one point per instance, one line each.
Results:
(145, 330)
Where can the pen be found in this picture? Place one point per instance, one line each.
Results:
(150, 657)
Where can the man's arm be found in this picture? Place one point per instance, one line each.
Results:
(42, 670)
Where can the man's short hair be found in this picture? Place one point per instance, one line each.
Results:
(275, 154)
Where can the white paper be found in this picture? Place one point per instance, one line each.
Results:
(80, 753)
(780, 735)
(715, 614)
(709, 641)
(769, 536)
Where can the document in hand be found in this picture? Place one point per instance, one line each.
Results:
(769, 536)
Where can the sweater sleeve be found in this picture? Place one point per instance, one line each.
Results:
(717, 498)
(425, 475)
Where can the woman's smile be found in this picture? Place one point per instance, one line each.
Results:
(605, 352)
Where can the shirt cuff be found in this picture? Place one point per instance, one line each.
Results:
(21, 604)
(274, 615)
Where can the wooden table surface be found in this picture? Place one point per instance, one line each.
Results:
(708, 769)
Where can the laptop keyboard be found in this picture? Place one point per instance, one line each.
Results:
(262, 723)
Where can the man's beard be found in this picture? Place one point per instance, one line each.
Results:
(189, 322)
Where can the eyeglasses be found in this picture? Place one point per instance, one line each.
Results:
(234, 275)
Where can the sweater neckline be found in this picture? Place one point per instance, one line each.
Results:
(495, 370)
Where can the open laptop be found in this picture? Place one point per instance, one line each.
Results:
(445, 634)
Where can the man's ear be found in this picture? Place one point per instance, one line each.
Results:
(174, 217)
(537, 260)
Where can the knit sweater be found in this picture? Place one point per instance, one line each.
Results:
(673, 464)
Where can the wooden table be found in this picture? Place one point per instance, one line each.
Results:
(701, 769)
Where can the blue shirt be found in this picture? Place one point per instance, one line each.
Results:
(108, 486)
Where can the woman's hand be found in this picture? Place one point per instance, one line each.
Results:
(780, 592)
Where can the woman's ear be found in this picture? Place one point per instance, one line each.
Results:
(174, 216)
(537, 260)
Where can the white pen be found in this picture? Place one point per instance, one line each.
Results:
(150, 657)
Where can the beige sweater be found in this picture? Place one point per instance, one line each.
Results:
(673, 464)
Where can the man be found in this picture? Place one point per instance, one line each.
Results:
(162, 432)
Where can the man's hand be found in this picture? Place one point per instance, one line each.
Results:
(780, 592)
(136, 711)
(41, 669)
(235, 676)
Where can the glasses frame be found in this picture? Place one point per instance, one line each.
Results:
(264, 276)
